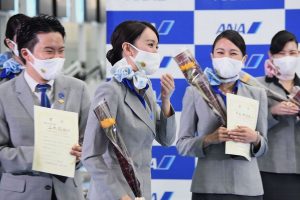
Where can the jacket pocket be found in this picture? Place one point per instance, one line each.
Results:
(11, 183)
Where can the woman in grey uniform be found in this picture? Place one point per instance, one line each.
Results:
(132, 103)
(280, 167)
(201, 135)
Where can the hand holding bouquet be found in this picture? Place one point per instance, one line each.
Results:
(110, 128)
(195, 76)
(250, 80)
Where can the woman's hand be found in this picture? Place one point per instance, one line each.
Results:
(285, 108)
(270, 69)
(218, 136)
(244, 134)
(167, 89)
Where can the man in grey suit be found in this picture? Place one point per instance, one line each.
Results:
(41, 46)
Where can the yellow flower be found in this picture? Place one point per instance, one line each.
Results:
(108, 122)
(188, 66)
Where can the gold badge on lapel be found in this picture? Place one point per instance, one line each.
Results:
(143, 64)
(61, 97)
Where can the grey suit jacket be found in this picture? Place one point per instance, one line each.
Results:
(217, 172)
(138, 132)
(17, 139)
(284, 139)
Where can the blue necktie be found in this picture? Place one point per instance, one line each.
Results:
(45, 102)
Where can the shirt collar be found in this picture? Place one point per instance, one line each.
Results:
(32, 83)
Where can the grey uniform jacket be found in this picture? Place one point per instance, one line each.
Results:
(17, 139)
(138, 131)
(217, 172)
(284, 139)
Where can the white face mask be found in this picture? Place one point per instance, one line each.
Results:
(15, 50)
(227, 68)
(287, 67)
(147, 61)
(48, 69)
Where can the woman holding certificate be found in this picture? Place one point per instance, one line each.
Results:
(280, 167)
(202, 135)
(134, 114)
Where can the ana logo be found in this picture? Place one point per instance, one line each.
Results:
(254, 61)
(165, 61)
(164, 164)
(241, 28)
(165, 196)
(164, 27)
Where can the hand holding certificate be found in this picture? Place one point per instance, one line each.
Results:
(241, 111)
(56, 132)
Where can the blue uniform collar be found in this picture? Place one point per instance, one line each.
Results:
(218, 91)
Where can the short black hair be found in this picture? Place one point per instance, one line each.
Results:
(27, 35)
(234, 37)
(280, 39)
(13, 25)
(127, 31)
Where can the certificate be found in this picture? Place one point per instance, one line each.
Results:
(241, 111)
(55, 132)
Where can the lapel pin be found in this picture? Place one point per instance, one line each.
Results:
(61, 97)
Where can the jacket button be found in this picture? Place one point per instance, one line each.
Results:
(48, 187)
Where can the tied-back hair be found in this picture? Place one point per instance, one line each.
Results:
(127, 31)
(13, 24)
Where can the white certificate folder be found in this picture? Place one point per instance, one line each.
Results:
(55, 132)
(241, 111)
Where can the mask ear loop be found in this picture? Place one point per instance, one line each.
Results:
(244, 59)
(32, 56)
(29, 52)
(134, 47)
(15, 49)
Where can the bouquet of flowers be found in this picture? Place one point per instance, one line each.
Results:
(110, 128)
(294, 96)
(250, 80)
(195, 76)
